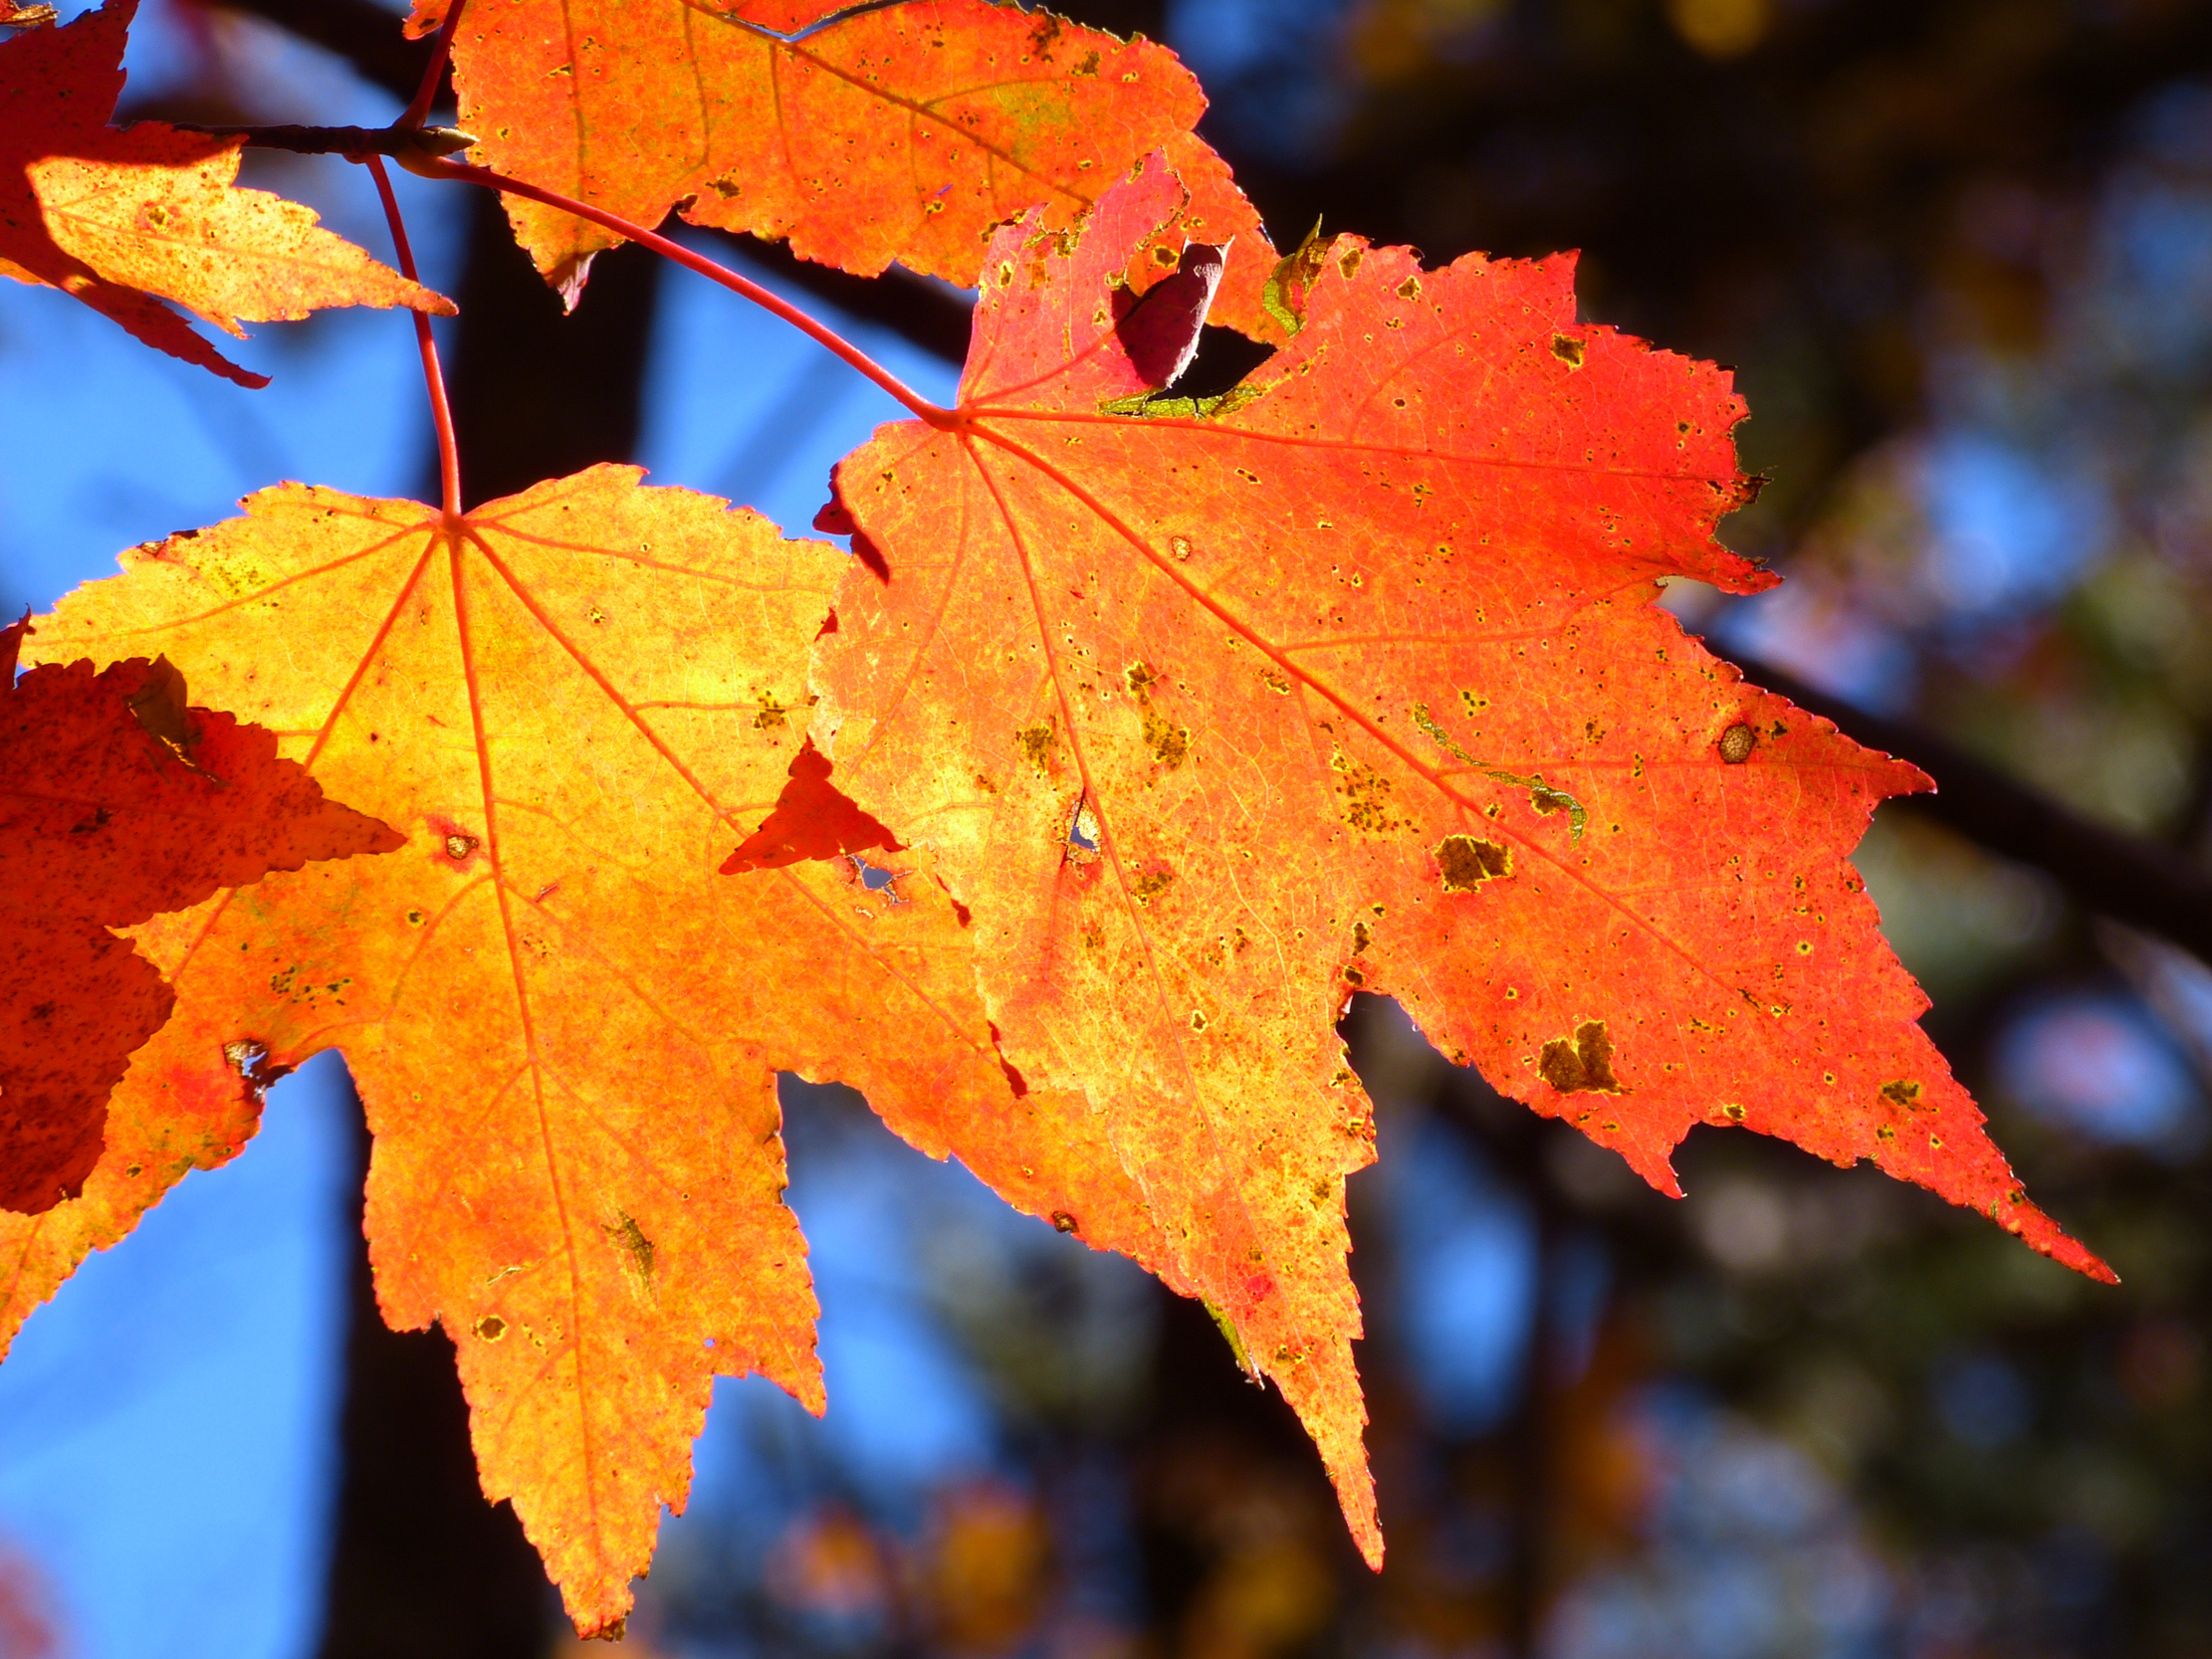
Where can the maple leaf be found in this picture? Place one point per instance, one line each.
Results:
(126, 217)
(564, 1024)
(1354, 679)
(899, 133)
(119, 802)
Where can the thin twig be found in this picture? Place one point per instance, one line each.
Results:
(820, 332)
(441, 412)
(2128, 878)
(418, 110)
(402, 143)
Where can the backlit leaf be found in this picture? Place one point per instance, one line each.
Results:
(564, 1024)
(900, 133)
(119, 801)
(1355, 680)
(126, 217)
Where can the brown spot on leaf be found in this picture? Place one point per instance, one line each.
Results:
(630, 1238)
(1582, 1066)
(1467, 863)
(1567, 349)
(1170, 743)
(1738, 742)
(1036, 742)
(1902, 1091)
(491, 1328)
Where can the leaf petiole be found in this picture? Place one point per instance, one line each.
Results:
(441, 411)
(820, 332)
(418, 110)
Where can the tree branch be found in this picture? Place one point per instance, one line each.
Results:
(2128, 878)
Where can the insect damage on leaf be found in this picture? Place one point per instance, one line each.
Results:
(123, 218)
(1512, 482)
(1581, 1064)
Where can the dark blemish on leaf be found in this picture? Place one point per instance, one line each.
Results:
(1170, 743)
(1902, 1091)
(1582, 1066)
(1365, 798)
(1359, 937)
(1179, 545)
(414, 918)
(635, 1244)
(773, 715)
(1139, 675)
(1733, 1113)
(1738, 742)
(1347, 262)
(1199, 1020)
(1152, 884)
(1467, 863)
(1567, 349)
(491, 1328)
(1410, 288)
(961, 913)
(1546, 800)
(1014, 1079)
(1094, 938)
(1036, 742)
(458, 847)
(1353, 976)
(1064, 1222)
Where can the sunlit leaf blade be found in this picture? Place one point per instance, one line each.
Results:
(1355, 680)
(900, 133)
(563, 1023)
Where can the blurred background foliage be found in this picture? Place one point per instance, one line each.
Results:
(1960, 254)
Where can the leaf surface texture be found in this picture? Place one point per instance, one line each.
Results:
(563, 1023)
(902, 133)
(1358, 682)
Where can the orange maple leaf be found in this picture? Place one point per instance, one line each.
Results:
(118, 803)
(124, 217)
(564, 1024)
(1354, 679)
(900, 133)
